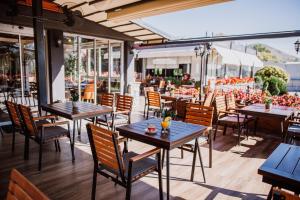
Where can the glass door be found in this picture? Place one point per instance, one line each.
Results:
(10, 70)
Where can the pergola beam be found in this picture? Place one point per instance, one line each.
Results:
(150, 8)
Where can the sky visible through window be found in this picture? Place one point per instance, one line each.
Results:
(235, 17)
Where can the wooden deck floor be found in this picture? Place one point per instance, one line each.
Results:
(233, 176)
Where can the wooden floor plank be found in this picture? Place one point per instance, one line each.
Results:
(233, 176)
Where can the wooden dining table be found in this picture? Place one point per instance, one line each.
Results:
(283, 113)
(178, 102)
(180, 133)
(84, 111)
(282, 168)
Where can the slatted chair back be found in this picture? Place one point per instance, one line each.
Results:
(21, 188)
(105, 149)
(147, 89)
(13, 112)
(124, 103)
(27, 118)
(280, 194)
(154, 99)
(220, 103)
(106, 99)
(198, 114)
(209, 98)
(230, 101)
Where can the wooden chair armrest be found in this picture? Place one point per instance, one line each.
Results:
(233, 109)
(145, 155)
(122, 139)
(121, 112)
(166, 102)
(294, 122)
(55, 124)
(229, 113)
(44, 117)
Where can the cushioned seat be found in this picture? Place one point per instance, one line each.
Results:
(295, 128)
(54, 132)
(138, 167)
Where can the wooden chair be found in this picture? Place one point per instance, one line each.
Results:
(156, 104)
(44, 132)
(278, 194)
(231, 105)
(123, 169)
(201, 115)
(106, 99)
(228, 118)
(209, 98)
(21, 188)
(146, 90)
(122, 113)
(12, 109)
(293, 131)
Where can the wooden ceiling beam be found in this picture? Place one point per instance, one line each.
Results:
(149, 8)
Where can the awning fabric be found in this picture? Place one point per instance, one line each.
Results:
(166, 52)
(233, 57)
(228, 56)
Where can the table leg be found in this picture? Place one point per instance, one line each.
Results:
(74, 130)
(168, 174)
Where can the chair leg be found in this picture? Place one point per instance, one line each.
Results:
(159, 176)
(239, 135)
(194, 162)
(94, 184)
(55, 143)
(224, 130)
(40, 155)
(201, 162)
(210, 149)
(72, 148)
(128, 189)
(216, 131)
(147, 113)
(58, 146)
(13, 139)
(145, 107)
(79, 128)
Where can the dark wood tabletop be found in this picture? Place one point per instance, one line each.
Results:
(85, 110)
(283, 112)
(180, 133)
(282, 168)
(176, 97)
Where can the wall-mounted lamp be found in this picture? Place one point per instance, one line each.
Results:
(58, 42)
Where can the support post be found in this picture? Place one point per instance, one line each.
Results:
(39, 44)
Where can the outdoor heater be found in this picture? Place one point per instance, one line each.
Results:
(297, 46)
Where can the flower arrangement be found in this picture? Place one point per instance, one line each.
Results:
(257, 96)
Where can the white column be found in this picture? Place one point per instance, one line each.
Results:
(88, 62)
(122, 68)
(99, 62)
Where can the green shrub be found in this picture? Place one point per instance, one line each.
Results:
(269, 71)
(274, 80)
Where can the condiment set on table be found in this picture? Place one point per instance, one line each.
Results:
(165, 124)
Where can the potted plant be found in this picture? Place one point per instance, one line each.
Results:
(268, 102)
(74, 98)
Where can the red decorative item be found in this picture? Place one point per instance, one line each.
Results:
(47, 5)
